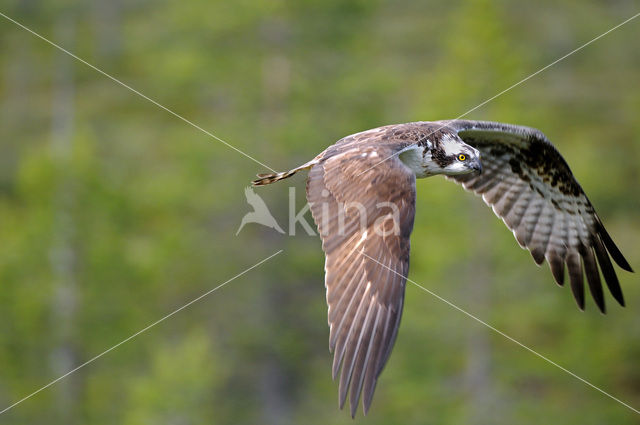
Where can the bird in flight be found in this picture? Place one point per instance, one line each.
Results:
(362, 194)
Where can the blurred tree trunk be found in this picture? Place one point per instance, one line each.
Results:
(107, 16)
(273, 391)
(15, 106)
(478, 380)
(273, 394)
(276, 408)
(63, 254)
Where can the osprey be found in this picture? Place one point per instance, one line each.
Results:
(362, 196)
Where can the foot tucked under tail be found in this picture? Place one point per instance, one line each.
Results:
(274, 177)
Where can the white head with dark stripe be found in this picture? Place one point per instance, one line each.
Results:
(446, 153)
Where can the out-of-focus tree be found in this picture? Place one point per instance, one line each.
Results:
(114, 213)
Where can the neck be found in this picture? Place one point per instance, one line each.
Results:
(418, 159)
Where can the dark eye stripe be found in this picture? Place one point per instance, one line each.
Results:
(438, 156)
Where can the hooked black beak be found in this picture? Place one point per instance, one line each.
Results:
(476, 165)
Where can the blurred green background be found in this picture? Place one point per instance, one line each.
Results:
(114, 213)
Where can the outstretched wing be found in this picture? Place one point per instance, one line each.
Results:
(364, 217)
(530, 186)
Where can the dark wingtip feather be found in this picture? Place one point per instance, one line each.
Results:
(342, 399)
(538, 254)
(367, 398)
(576, 278)
(613, 249)
(343, 386)
(371, 378)
(556, 264)
(608, 272)
(337, 361)
(593, 278)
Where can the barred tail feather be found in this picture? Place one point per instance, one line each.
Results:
(272, 177)
(269, 178)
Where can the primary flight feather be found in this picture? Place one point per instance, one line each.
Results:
(362, 194)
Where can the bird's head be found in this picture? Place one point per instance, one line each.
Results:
(450, 155)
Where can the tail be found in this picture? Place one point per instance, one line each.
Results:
(272, 177)
(269, 178)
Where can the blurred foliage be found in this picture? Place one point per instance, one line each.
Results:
(114, 213)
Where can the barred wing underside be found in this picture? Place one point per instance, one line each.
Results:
(530, 187)
(367, 260)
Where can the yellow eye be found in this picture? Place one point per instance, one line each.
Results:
(462, 157)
